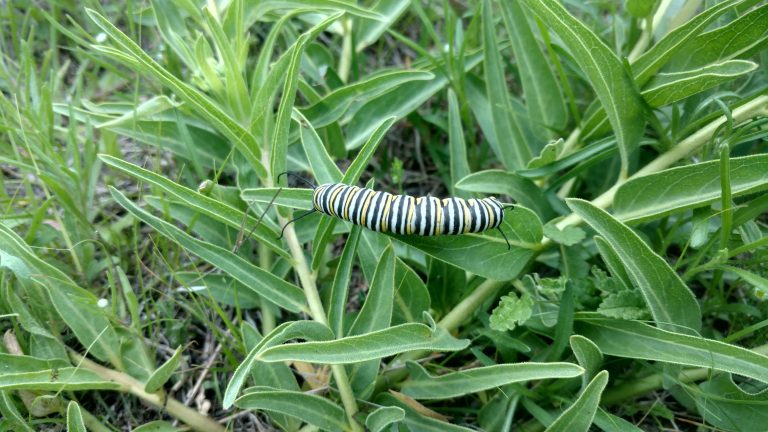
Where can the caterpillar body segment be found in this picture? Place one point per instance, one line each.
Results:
(407, 215)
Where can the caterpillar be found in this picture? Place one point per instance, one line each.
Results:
(404, 214)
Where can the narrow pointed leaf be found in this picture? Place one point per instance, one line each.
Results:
(74, 418)
(682, 188)
(264, 283)
(210, 207)
(578, 417)
(307, 330)
(422, 385)
(159, 377)
(636, 340)
(312, 409)
(369, 346)
(672, 304)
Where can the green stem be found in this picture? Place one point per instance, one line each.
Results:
(318, 314)
(345, 62)
(267, 314)
(756, 106)
(160, 400)
(469, 305)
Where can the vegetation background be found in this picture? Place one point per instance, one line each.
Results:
(139, 259)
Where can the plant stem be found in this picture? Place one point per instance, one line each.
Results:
(756, 106)
(318, 314)
(189, 416)
(469, 305)
(267, 315)
(345, 62)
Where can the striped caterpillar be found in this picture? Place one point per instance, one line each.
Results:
(406, 215)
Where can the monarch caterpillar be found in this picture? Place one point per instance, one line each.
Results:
(404, 214)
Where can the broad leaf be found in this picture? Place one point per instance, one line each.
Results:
(309, 408)
(682, 188)
(640, 341)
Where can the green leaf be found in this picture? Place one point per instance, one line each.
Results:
(295, 198)
(640, 341)
(415, 421)
(74, 418)
(323, 167)
(686, 187)
(312, 409)
(308, 330)
(543, 98)
(219, 287)
(737, 39)
(280, 139)
(588, 356)
(725, 405)
(513, 148)
(368, 31)
(333, 106)
(376, 312)
(369, 346)
(568, 236)
(578, 417)
(161, 376)
(759, 283)
(75, 305)
(340, 286)
(56, 379)
(487, 254)
(498, 182)
(422, 385)
(673, 43)
(511, 312)
(144, 110)
(12, 418)
(672, 304)
(272, 288)
(667, 88)
(355, 170)
(397, 103)
(606, 73)
(256, 11)
(279, 151)
(157, 426)
(210, 207)
(457, 146)
(241, 137)
(640, 8)
(611, 423)
(383, 417)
